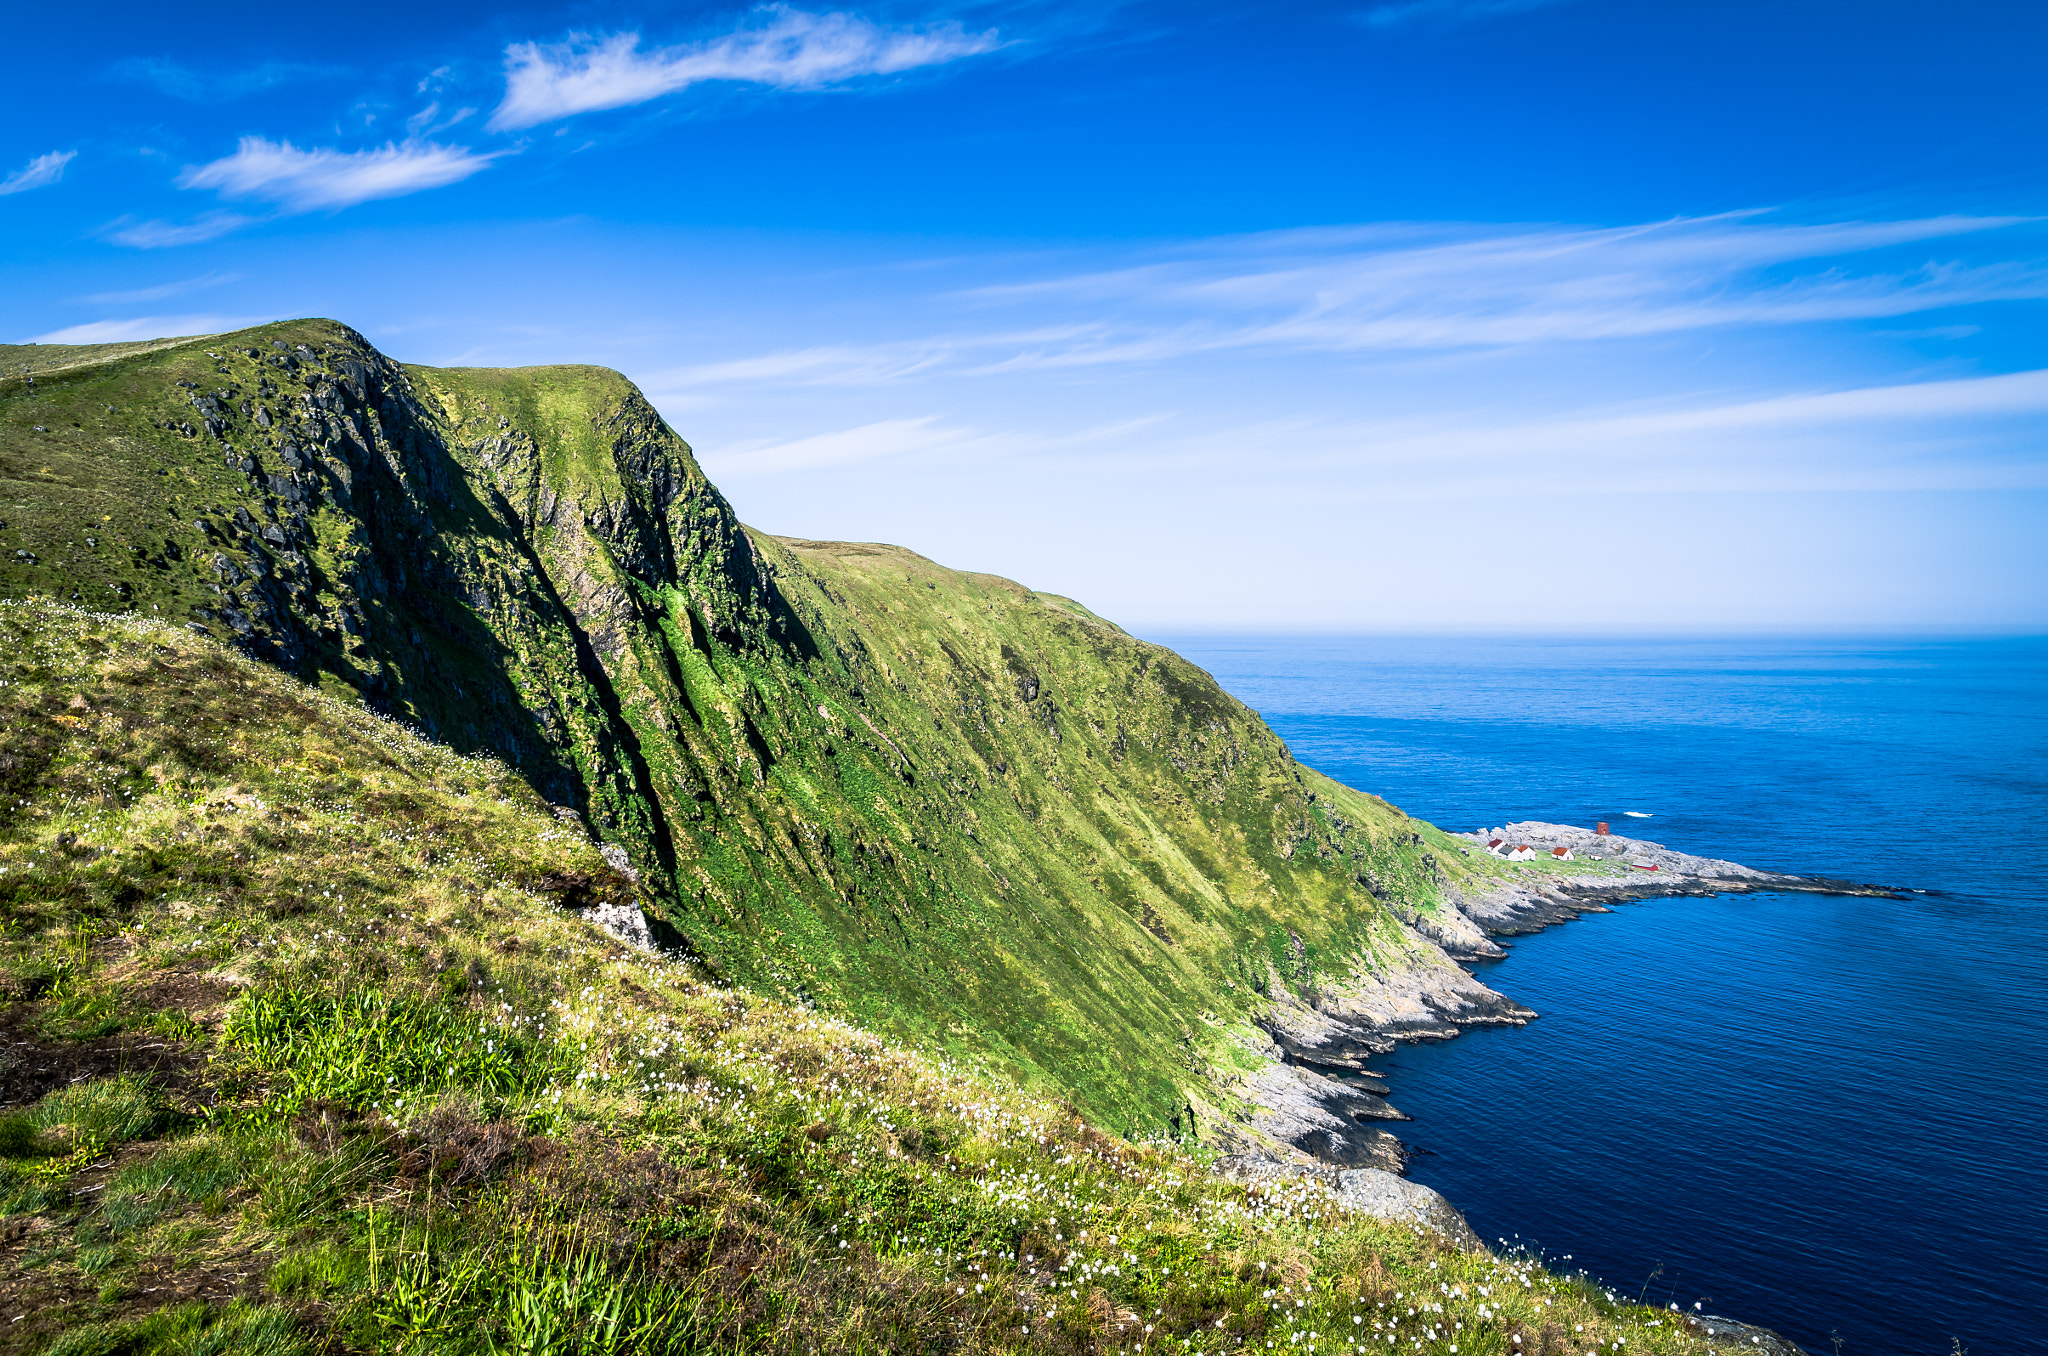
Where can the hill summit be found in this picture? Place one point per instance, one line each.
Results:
(939, 804)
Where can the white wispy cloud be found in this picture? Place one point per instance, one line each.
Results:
(794, 49)
(1963, 398)
(1922, 435)
(1420, 288)
(157, 235)
(40, 172)
(883, 438)
(834, 365)
(430, 119)
(162, 290)
(929, 437)
(1315, 290)
(308, 180)
(1928, 435)
(148, 327)
(1670, 420)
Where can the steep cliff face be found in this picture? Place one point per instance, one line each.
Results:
(507, 559)
(938, 802)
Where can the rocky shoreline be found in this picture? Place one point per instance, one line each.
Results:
(1389, 1196)
(1319, 1094)
(1634, 869)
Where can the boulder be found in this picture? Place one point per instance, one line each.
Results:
(624, 922)
(615, 857)
(1382, 1194)
(1747, 1336)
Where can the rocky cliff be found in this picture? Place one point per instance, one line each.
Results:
(939, 803)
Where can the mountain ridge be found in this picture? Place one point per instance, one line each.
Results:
(941, 803)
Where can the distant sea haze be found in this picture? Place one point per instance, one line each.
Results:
(1820, 1114)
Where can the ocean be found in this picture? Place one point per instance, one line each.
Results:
(1824, 1115)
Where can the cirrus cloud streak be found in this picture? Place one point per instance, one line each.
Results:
(148, 327)
(308, 180)
(1928, 435)
(40, 172)
(795, 49)
(1418, 288)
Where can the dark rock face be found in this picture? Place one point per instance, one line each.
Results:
(500, 602)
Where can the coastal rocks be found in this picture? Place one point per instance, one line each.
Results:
(1324, 1118)
(1320, 1098)
(1449, 927)
(1368, 1191)
(1509, 910)
(1318, 1095)
(1414, 994)
(1747, 1336)
(1632, 852)
(1383, 1195)
(1627, 869)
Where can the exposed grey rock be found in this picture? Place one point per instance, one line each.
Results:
(1321, 1116)
(1585, 843)
(1383, 1195)
(624, 922)
(1318, 1095)
(615, 857)
(1370, 1191)
(1419, 995)
(1633, 869)
(1746, 1335)
(1447, 926)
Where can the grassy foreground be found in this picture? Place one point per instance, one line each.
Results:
(304, 1052)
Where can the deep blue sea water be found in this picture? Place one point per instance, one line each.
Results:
(1825, 1115)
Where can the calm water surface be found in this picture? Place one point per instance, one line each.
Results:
(1823, 1115)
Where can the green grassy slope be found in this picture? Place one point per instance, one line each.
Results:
(303, 1052)
(935, 802)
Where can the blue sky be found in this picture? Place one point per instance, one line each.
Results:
(1431, 314)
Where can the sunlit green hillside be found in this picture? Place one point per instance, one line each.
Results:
(309, 1050)
(935, 803)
